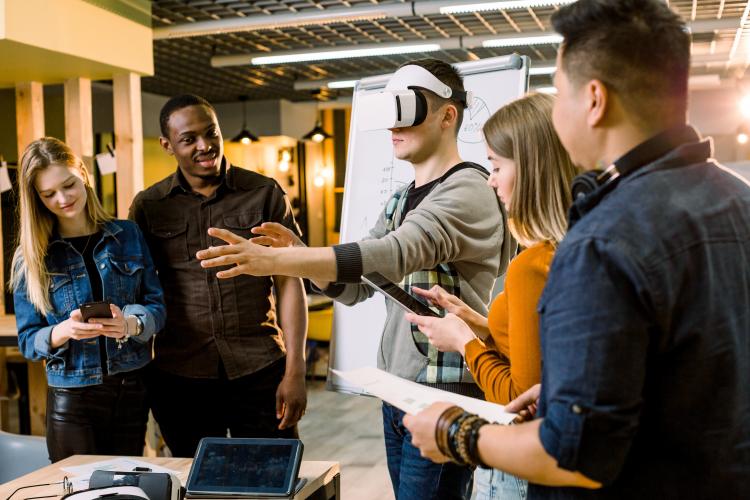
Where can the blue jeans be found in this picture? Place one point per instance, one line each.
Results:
(413, 476)
(493, 484)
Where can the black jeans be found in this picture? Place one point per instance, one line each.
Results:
(189, 409)
(105, 419)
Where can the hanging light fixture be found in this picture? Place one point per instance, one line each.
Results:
(245, 136)
(317, 134)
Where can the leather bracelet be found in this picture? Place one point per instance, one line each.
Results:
(473, 443)
(442, 428)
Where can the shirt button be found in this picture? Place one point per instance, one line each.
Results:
(102, 266)
(576, 409)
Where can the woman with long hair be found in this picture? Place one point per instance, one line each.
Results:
(71, 252)
(532, 176)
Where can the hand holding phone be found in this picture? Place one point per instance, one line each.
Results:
(77, 327)
(91, 310)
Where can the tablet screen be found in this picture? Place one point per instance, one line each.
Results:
(394, 292)
(245, 466)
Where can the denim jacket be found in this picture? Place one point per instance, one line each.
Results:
(129, 281)
(645, 330)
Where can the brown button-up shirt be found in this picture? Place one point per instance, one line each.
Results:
(209, 319)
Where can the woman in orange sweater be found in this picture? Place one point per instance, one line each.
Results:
(532, 175)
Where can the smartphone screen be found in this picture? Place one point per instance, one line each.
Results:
(405, 300)
(95, 310)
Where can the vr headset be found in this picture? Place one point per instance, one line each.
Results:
(154, 485)
(403, 102)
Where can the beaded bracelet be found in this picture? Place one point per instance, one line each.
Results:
(462, 437)
(466, 440)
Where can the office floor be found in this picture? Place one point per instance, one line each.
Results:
(347, 429)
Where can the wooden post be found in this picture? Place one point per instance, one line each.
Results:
(128, 139)
(29, 127)
(79, 129)
(29, 114)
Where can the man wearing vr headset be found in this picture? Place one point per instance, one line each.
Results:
(445, 228)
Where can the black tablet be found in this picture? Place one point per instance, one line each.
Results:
(406, 301)
(238, 467)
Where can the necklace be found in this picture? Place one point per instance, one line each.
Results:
(86, 246)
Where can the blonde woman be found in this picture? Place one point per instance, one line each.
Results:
(532, 176)
(71, 252)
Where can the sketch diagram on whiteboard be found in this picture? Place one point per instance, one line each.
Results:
(474, 118)
(389, 182)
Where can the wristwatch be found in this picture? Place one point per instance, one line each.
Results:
(135, 325)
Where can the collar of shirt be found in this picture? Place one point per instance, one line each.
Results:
(654, 148)
(180, 182)
(108, 230)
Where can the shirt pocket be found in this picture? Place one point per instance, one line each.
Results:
(241, 223)
(172, 240)
(127, 275)
(61, 293)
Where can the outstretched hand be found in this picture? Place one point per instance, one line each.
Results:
(246, 256)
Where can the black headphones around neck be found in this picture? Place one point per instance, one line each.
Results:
(588, 182)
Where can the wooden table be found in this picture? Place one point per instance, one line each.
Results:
(8, 332)
(323, 478)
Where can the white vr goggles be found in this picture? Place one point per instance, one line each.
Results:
(402, 103)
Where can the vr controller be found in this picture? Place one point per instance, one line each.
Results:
(402, 103)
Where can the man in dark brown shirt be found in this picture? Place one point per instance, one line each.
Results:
(222, 362)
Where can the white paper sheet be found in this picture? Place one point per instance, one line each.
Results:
(413, 398)
(82, 473)
(107, 163)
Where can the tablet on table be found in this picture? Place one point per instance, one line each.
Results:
(239, 467)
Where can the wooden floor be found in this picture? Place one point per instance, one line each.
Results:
(349, 430)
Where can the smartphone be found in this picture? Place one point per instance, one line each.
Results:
(406, 301)
(95, 310)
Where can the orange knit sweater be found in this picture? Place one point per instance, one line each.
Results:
(513, 364)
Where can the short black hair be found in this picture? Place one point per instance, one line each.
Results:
(176, 103)
(640, 49)
(450, 77)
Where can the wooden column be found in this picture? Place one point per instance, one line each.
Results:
(128, 139)
(79, 129)
(29, 127)
(29, 114)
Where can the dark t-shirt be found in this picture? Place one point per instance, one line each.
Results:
(415, 195)
(85, 246)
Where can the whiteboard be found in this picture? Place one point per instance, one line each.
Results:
(373, 173)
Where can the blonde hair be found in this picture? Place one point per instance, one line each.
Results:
(522, 131)
(37, 222)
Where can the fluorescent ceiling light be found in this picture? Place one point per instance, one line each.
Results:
(546, 90)
(541, 70)
(324, 55)
(342, 84)
(504, 5)
(517, 41)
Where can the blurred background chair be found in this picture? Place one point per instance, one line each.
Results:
(20, 455)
